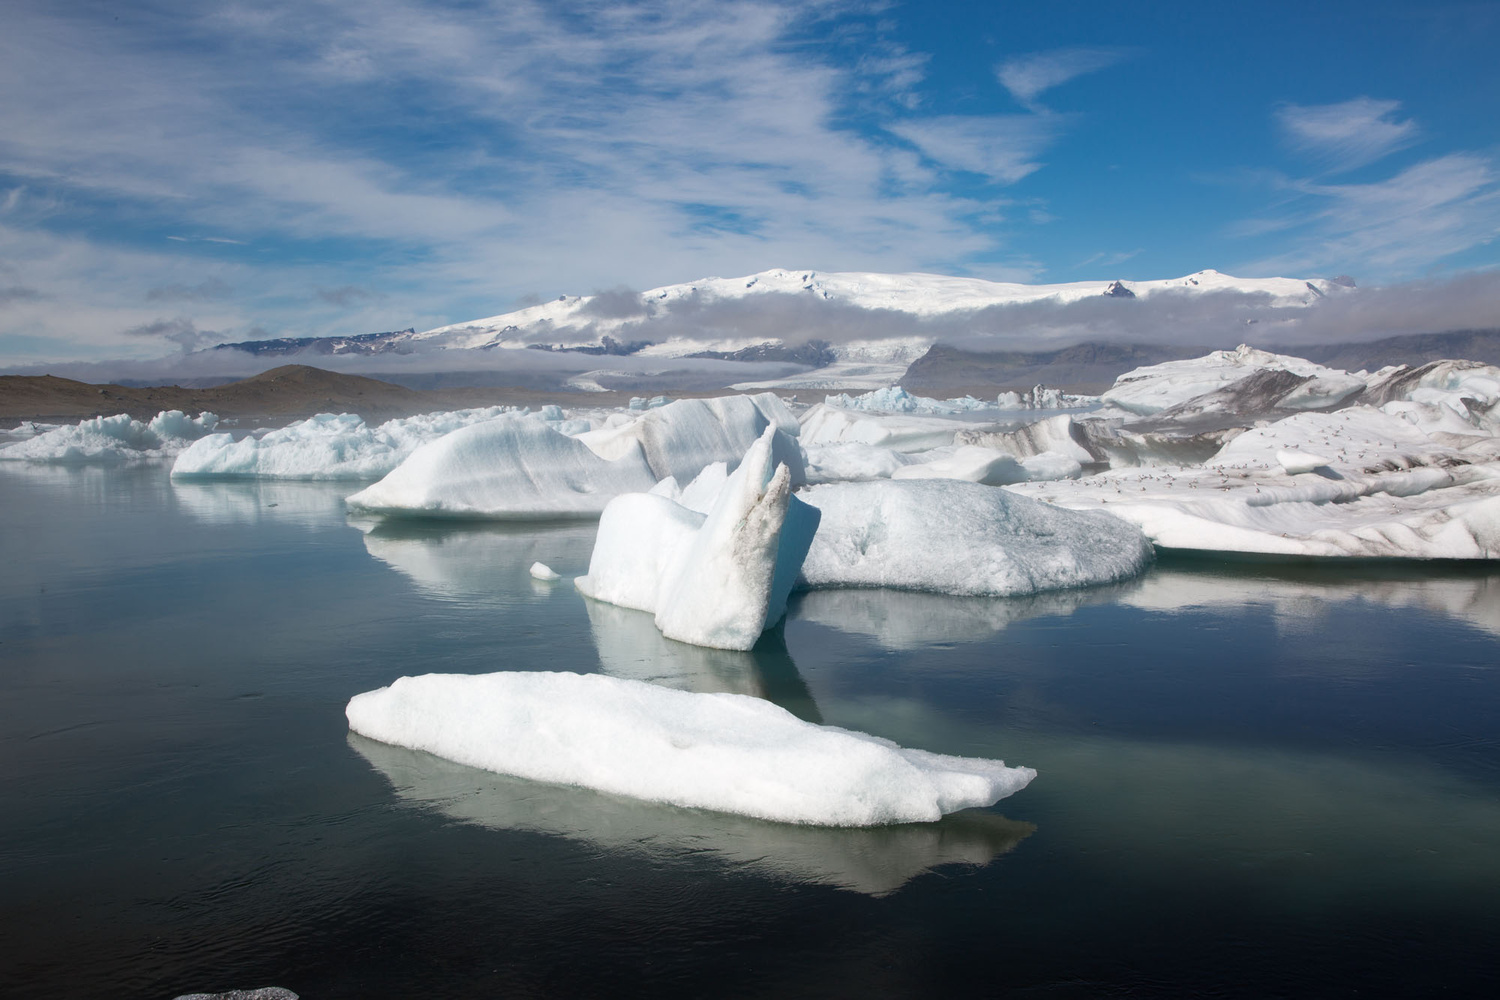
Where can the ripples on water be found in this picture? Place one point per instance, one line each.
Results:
(1255, 779)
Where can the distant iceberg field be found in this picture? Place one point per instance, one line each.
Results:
(1242, 451)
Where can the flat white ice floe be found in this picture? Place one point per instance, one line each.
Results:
(326, 446)
(119, 438)
(961, 538)
(514, 467)
(723, 752)
(716, 578)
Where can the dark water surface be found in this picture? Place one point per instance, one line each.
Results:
(1254, 780)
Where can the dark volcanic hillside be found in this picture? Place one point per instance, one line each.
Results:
(1415, 349)
(275, 396)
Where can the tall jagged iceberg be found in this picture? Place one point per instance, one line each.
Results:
(715, 579)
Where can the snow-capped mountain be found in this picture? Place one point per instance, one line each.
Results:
(852, 328)
(584, 321)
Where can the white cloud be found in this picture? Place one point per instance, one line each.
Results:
(1402, 225)
(1347, 135)
(1002, 147)
(467, 153)
(1028, 77)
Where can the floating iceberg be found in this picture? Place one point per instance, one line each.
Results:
(1357, 482)
(680, 438)
(894, 399)
(716, 578)
(327, 446)
(977, 464)
(120, 438)
(512, 467)
(1155, 388)
(828, 425)
(723, 752)
(872, 860)
(961, 538)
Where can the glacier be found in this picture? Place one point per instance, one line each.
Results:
(721, 752)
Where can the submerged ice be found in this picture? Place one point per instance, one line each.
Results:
(722, 752)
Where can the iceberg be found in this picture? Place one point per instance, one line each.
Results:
(961, 538)
(722, 752)
(827, 425)
(326, 446)
(716, 578)
(680, 438)
(512, 467)
(894, 399)
(1354, 483)
(977, 464)
(872, 860)
(119, 438)
(1154, 388)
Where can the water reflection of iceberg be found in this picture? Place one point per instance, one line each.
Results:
(263, 501)
(901, 619)
(477, 561)
(873, 860)
(1302, 594)
(630, 646)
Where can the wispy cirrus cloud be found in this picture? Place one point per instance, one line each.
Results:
(1347, 135)
(1004, 148)
(1404, 224)
(1028, 77)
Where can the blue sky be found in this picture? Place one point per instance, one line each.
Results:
(175, 174)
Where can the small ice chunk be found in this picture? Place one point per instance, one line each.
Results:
(725, 752)
(1297, 462)
(541, 571)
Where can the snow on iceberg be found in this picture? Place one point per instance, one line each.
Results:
(715, 579)
(827, 425)
(511, 467)
(1353, 483)
(961, 538)
(682, 437)
(119, 438)
(326, 446)
(977, 464)
(874, 860)
(722, 752)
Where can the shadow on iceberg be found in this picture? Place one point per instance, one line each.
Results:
(630, 646)
(872, 860)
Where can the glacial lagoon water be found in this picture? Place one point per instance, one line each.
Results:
(1255, 779)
